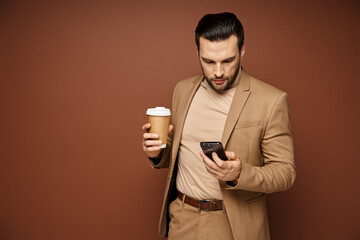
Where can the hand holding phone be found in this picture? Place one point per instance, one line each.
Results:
(228, 171)
(210, 147)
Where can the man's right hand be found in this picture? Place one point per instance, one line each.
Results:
(151, 142)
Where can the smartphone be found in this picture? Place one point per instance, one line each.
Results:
(210, 147)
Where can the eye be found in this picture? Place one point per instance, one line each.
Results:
(228, 60)
(209, 62)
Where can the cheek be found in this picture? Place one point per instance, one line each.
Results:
(229, 69)
(207, 69)
(232, 68)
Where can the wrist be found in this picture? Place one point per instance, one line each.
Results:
(156, 159)
(234, 182)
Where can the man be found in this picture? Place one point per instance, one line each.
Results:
(220, 199)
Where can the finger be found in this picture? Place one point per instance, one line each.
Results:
(221, 163)
(150, 136)
(154, 143)
(152, 149)
(230, 155)
(209, 162)
(146, 126)
(212, 171)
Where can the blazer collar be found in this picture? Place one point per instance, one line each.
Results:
(244, 84)
(241, 95)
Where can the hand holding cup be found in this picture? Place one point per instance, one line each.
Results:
(151, 141)
(156, 131)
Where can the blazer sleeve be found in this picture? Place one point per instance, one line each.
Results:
(164, 158)
(278, 172)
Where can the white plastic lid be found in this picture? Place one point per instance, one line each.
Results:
(158, 111)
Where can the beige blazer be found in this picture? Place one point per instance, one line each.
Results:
(257, 129)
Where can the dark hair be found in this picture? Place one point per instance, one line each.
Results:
(219, 26)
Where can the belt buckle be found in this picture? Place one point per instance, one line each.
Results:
(199, 207)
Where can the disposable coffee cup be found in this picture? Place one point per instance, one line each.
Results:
(159, 118)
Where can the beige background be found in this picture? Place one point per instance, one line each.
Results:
(77, 76)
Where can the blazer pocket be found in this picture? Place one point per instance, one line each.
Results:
(247, 124)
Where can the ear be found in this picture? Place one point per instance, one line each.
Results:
(242, 52)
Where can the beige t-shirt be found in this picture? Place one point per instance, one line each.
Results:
(205, 121)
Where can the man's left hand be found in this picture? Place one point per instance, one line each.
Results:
(223, 170)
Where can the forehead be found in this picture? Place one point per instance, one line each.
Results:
(218, 50)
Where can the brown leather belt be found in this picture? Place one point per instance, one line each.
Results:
(202, 205)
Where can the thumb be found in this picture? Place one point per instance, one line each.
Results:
(230, 155)
(170, 127)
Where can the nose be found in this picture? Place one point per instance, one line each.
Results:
(218, 71)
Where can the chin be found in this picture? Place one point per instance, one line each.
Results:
(219, 88)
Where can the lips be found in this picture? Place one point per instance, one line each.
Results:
(219, 81)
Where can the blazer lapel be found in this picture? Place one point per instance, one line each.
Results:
(184, 106)
(241, 95)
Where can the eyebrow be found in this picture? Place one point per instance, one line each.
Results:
(227, 59)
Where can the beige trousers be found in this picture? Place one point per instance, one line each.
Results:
(187, 222)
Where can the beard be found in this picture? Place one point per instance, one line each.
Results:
(229, 80)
